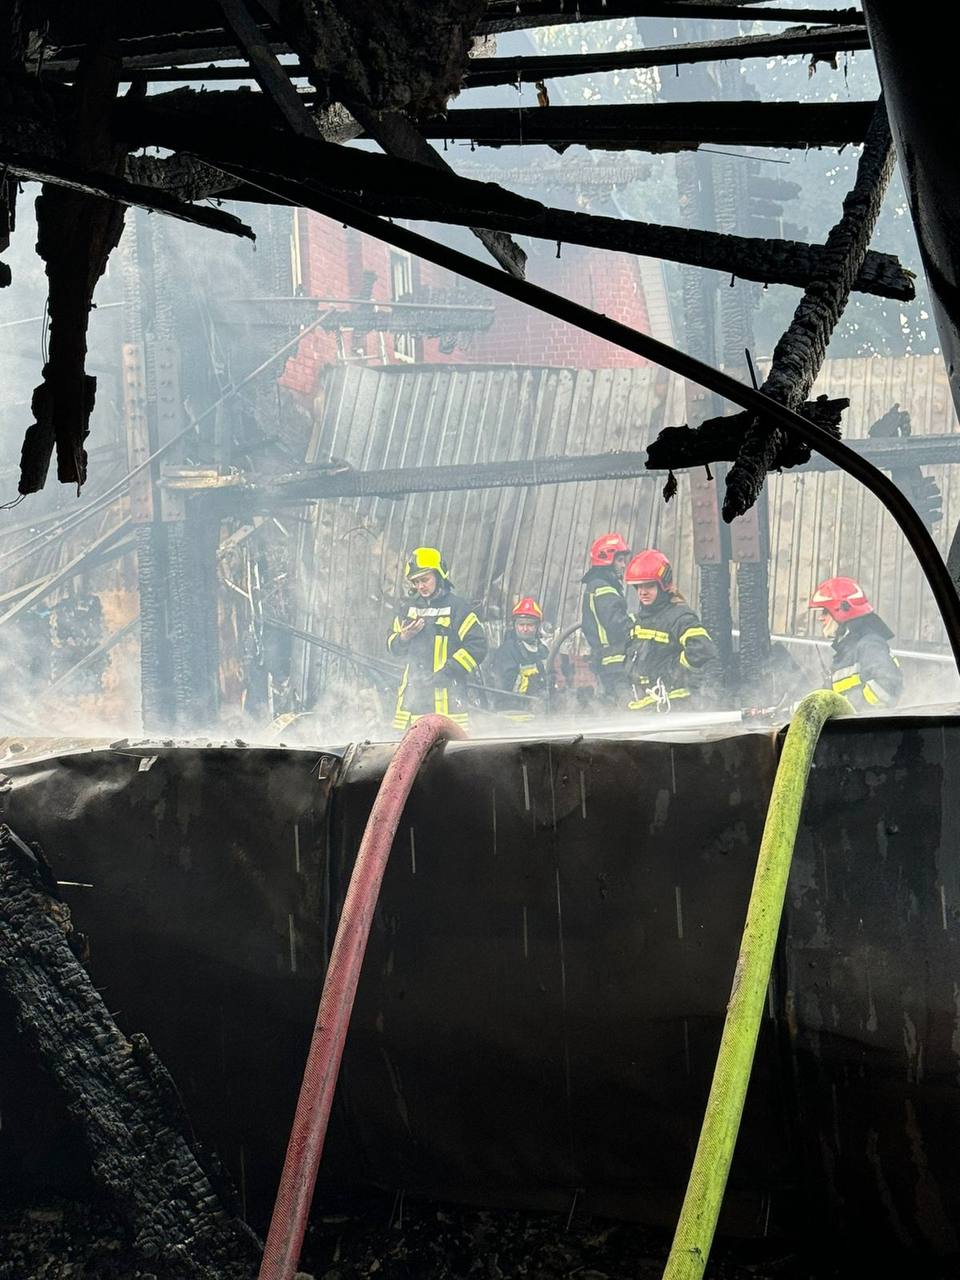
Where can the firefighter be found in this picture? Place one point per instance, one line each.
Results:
(520, 663)
(441, 640)
(864, 669)
(670, 656)
(604, 618)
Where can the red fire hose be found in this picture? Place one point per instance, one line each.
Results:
(281, 1253)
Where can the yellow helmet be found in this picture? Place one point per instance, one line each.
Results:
(424, 558)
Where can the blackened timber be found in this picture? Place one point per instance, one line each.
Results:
(764, 261)
(797, 40)
(496, 71)
(201, 125)
(321, 484)
(106, 186)
(519, 15)
(720, 439)
(125, 1105)
(399, 137)
(659, 126)
(213, 44)
(799, 354)
(75, 237)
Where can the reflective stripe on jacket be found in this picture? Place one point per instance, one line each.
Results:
(864, 669)
(604, 619)
(443, 656)
(519, 667)
(669, 647)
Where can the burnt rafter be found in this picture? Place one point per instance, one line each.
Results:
(659, 126)
(199, 125)
(485, 72)
(720, 439)
(789, 262)
(518, 15)
(799, 354)
(797, 40)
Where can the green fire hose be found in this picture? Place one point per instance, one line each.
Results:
(721, 1121)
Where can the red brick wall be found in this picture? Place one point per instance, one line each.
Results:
(334, 258)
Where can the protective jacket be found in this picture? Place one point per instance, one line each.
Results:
(441, 658)
(864, 669)
(606, 623)
(670, 656)
(520, 667)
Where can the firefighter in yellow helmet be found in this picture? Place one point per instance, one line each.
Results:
(441, 640)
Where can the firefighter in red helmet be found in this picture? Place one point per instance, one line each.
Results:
(520, 663)
(441, 640)
(864, 669)
(604, 617)
(670, 656)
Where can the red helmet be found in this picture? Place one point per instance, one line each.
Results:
(528, 608)
(842, 598)
(649, 566)
(605, 548)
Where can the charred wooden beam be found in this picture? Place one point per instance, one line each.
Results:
(720, 439)
(764, 261)
(119, 1095)
(395, 134)
(251, 494)
(796, 40)
(495, 71)
(215, 128)
(659, 126)
(211, 44)
(57, 172)
(398, 137)
(799, 354)
(518, 15)
(75, 236)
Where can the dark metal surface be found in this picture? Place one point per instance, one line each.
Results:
(548, 970)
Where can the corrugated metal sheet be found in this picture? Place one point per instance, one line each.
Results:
(828, 523)
(504, 543)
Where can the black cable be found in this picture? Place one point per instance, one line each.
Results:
(912, 527)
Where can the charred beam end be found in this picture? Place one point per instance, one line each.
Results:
(799, 354)
(659, 126)
(824, 40)
(765, 261)
(720, 439)
(515, 16)
(232, 129)
(116, 1090)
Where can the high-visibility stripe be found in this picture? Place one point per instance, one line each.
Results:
(439, 652)
(601, 629)
(651, 699)
(694, 631)
(605, 591)
(401, 716)
(647, 633)
(443, 622)
(870, 697)
(466, 660)
(441, 701)
(612, 658)
(471, 620)
(848, 682)
(426, 611)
